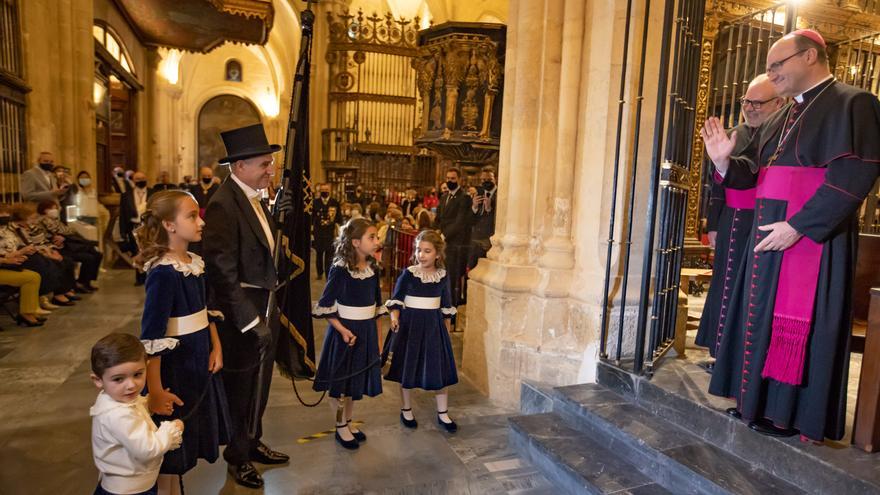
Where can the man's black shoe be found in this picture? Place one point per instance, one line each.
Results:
(265, 455)
(246, 474)
(765, 427)
(733, 413)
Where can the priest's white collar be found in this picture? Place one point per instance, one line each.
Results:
(800, 98)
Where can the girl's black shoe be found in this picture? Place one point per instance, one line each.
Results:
(56, 302)
(71, 297)
(22, 322)
(348, 444)
(409, 423)
(449, 427)
(358, 435)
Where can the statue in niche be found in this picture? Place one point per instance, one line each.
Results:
(436, 110)
(469, 109)
(233, 71)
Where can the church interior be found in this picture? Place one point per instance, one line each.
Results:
(576, 333)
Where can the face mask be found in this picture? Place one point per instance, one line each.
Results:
(488, 185)
(325, 194)
(47, 166)
(141, 184)
(120, 174)
(207, 180)
(359, 191)
(4, 220)
(53, 213)
(85, 182)
(451, 185)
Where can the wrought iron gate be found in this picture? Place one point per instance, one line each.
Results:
(674, 126)
(858, 63)
(13, 90)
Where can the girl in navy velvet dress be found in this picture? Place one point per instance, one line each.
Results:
(351, 303)
(182, 344)
(421, 308)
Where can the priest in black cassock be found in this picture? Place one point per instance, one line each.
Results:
(730, 216)
(784, 355)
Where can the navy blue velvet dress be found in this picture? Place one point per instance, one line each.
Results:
(175, 326)
(350, 289)
(423, 351)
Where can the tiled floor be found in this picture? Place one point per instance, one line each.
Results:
(45, 395)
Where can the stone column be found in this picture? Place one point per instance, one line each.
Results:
(59, 67)
(534, 305)
(518, 315)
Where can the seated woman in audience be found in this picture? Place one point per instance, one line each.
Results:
(71, 245)
(51, 264)
(12, 274)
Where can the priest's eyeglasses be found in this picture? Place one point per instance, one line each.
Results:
(775, 66)
(755, 104)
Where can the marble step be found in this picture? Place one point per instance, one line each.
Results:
(574, 461)
(678, 396)
(668, 454)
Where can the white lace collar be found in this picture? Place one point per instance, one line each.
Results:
(195, 267)
(427, 277)
(360, 274)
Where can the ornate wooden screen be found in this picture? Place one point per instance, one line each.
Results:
(13, 126)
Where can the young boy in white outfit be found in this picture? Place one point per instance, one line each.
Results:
(126, 444)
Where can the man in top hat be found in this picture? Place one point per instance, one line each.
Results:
(238, 246)
(784, 354)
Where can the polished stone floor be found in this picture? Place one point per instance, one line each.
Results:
(45, 395)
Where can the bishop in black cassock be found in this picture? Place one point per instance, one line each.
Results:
(730, 216)
(784, 356)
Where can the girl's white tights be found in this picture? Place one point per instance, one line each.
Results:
(442, 398)
(342, 411)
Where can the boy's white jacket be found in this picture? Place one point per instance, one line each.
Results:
(127, 445)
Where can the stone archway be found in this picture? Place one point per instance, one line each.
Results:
(221, 113)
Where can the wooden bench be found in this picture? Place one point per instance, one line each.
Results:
(866, 431)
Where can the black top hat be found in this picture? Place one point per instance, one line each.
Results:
(246, 142)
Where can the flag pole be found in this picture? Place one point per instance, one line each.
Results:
(307, 19)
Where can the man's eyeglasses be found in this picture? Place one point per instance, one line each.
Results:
(755, 104)
(775, 66)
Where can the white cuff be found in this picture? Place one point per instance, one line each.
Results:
(217, 314)
(251, 325)
(381, 310)
(395, 302)
(319, 311)
(156, 346)
(448, 311)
